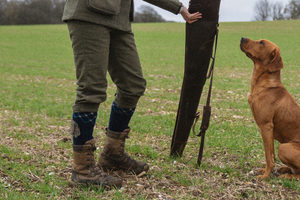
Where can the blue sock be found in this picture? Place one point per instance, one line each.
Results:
(119, 118)
(85, 121)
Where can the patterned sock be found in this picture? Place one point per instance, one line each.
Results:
(82, 127)
(119, 118)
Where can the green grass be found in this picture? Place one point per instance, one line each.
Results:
(37, 90)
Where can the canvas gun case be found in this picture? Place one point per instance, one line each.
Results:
(200, 39)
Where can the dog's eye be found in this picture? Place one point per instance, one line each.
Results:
(262, 43)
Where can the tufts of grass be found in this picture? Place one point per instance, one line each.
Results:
(37, 79)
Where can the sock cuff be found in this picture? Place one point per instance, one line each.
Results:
(120, 110)
(85, 117)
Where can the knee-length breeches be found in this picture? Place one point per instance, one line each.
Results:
(98, 49)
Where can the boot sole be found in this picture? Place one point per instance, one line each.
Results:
(112, 168)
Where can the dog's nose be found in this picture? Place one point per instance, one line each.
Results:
(243, 39)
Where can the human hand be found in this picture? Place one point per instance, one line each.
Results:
(188, 17)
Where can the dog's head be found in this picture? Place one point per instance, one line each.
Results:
(263, 52)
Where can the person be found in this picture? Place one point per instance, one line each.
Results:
(102, 40)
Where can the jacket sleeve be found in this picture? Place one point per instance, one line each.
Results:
(169, 5)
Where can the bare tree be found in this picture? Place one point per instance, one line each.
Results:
(267, 11)
(35, 12)
(147, 14)
(11, 13)
(263, 10)
(57, 11)
(293, 9)
(278, 11)
(3, 5)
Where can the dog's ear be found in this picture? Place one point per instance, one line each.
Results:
(276, 63)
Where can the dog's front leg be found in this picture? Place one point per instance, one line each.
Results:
(268, 140)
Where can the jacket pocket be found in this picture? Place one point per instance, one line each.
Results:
(107, 7)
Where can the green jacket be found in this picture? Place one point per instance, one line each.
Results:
(123, 13)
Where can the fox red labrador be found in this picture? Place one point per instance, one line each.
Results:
(275, 111)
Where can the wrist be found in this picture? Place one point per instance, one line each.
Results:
(181, 9)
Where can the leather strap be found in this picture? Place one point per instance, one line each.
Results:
(206, 109)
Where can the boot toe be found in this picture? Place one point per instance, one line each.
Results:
(140, 167)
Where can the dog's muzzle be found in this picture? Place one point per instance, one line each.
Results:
(243, 40)
(241, 43)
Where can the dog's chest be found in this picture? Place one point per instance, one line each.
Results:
(260, 105)
(250, 101)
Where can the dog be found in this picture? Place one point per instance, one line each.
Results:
(274, 109)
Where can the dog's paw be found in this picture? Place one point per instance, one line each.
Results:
(261, 171)
(284, 170)
(263, 177)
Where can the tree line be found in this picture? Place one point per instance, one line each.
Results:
(147, 14)
(265, 10)
(15, 12)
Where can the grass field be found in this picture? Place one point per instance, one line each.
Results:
(37, 89)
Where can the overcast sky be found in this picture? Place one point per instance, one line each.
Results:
(230, 10)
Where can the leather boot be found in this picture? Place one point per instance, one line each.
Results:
(114, 157)
(85, 170)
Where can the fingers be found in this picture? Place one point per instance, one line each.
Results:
(191, 18)
(192, 21)
(194, 17)
(197, 15)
